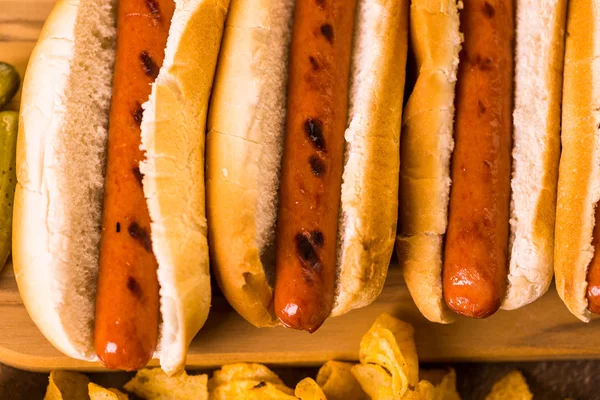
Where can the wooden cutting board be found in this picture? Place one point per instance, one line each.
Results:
(543, 330)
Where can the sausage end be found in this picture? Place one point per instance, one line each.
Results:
(129, 357)
(291, 315)
(466, 302)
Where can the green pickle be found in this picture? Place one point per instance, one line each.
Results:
(8, 179)
(9, 83)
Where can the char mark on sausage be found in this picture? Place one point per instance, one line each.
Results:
(314, 130)
(306, 252)
(149, 66)
(327, 32)
(134, 287)
(141, 235)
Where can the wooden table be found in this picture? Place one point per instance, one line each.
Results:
(543, 330)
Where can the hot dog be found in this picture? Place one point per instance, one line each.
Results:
(126, 324)
(475, 254)
(331, 239)
(311, 176)
(454, 243)
(103, 243)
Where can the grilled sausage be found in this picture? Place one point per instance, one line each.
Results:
(127, 305)
(475, 261)
(313, 161)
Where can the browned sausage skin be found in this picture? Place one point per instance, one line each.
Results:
(476, 249)
(127, 301)
(313, 162)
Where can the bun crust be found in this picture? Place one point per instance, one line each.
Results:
(427, 144)
(173, 131)
(579, 171)
(244, 153)
(369, 201)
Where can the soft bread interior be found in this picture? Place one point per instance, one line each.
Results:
(579, 171)
(536, 148)
(272, 104)
(244, 150)
(369, 200)
(60, 171)
(173, 131)
(427, 144)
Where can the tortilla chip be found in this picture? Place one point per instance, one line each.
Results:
(512, 387)
(338, 383)
(251, 390)
(97, 392)
(63, 385)
(307, 389)
(154, 384)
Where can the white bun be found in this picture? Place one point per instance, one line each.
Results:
(427, 144)
(245, 142)
(173, 131)
(60, 164)
(369, 202)
(244, 149)
(579, 172)
(60, 171)
(536, 148)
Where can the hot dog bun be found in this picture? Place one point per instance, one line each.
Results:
(60, 161)
(579, 171)
(536, 148)
(173, 136)
(427, 143)
(369, 209)
(58, 207)
(244, 152)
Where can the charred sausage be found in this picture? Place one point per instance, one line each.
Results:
(313, 161)
(127, 304)
(476, 249)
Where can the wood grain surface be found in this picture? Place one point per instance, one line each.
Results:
(543, 330)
